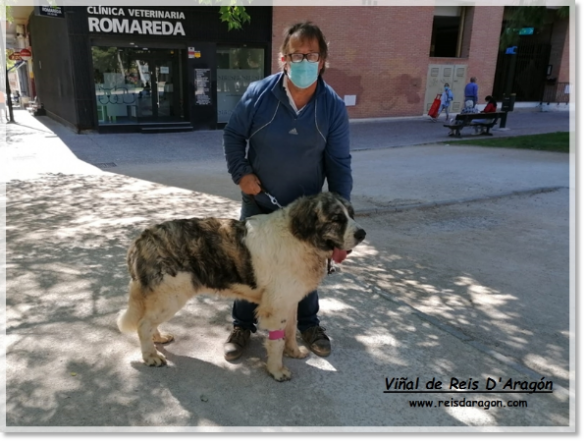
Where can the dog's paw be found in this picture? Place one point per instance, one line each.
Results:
(154, 359)
(281, 374)
(297, 352)
(163, 339)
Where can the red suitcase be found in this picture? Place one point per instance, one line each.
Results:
(434, 109)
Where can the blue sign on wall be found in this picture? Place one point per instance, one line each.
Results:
(526, 31)
(511, 50)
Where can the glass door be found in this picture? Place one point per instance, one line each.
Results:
(137, 85)
(163, 89)
(156, 102)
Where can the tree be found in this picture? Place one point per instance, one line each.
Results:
(234, 15)
(525, 16)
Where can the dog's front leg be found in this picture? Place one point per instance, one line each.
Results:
(274, 322)
(291, 347)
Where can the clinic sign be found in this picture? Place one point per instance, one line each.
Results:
(51, 11)
(113, 20)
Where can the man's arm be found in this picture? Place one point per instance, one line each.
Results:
(337, 153)
(236, 134)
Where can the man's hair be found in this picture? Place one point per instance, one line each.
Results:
(447, 84)
(488, 98)
(473, 79)
(306, 31)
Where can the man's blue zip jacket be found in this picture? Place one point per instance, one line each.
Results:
(291, 154)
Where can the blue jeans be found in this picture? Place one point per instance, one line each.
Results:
(243, 311)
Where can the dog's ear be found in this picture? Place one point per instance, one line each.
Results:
(304, 217)
(346, 204)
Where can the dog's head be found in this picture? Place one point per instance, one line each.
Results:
(327, 222)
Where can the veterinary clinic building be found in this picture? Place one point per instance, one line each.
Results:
(151, 68)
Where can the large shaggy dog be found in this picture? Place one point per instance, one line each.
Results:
(273, 260)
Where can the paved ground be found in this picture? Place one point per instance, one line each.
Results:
(452, 283)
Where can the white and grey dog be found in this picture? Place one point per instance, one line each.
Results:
(272, 260)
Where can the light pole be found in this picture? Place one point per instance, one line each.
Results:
(508, 96)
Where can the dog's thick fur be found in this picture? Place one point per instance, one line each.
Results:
(272, 260)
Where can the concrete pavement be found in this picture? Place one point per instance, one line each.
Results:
(473, 291)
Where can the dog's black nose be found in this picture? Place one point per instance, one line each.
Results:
(360, 234)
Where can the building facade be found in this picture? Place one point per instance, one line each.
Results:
(141, 68)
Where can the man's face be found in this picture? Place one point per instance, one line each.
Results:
(296, 45)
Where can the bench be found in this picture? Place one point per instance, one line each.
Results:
(462, 120)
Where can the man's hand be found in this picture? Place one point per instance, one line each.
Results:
(250, 184)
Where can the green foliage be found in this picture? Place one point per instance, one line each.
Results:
(526, 16)
(234, 15)
(554, 142)
(5, 11)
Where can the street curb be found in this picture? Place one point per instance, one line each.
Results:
(400, 208)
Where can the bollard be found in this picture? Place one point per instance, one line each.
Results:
(504, 121)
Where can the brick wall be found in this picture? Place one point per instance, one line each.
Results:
(381, 54)
(560, 50)
(484, 44)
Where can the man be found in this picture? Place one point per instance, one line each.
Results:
(471, 91)
(297, 131)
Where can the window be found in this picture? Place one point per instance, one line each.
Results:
(237, 68)
(450, 31)
(136, 85)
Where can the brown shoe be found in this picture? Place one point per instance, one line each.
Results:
(317, 340)
(236, 343)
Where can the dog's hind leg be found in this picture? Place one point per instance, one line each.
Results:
(291, 347)
(150, 355)
(160, 306)
(162, 338)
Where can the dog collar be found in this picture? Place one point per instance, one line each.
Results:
(277, 335)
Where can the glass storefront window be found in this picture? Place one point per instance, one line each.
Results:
(237, 68)
(137, 85)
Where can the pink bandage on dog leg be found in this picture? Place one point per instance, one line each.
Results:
(277, 335)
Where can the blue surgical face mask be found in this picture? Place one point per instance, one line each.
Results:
(303, 74)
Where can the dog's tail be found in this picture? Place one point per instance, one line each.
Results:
(128, 320)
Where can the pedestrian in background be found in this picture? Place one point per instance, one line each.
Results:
(471, 91)
(490, 107)
(446, 101)
(469, 108)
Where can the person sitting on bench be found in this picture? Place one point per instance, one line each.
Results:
(469, 108)
(490, 107)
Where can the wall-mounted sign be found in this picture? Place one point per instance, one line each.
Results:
(526, 31)
(192, 53)
(511, 50)
(164, 70)
(202, 87)
(51, 11)
(141, 21)
(25, 54)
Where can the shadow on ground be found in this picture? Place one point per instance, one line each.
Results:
(67, 365)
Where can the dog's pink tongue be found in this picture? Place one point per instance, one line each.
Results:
(339, 255)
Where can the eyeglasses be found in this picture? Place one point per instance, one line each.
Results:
(312, 57)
